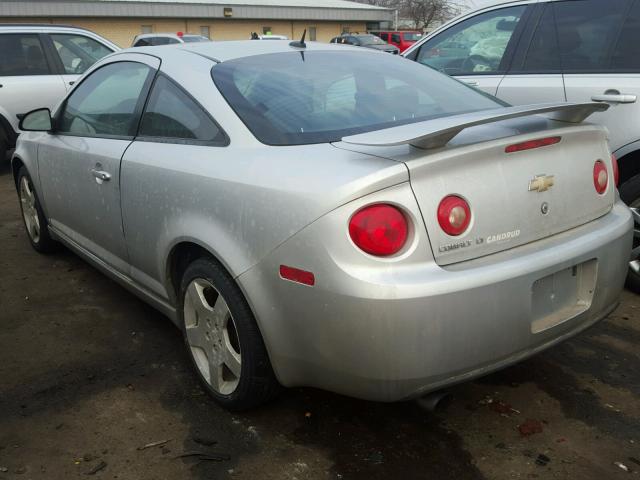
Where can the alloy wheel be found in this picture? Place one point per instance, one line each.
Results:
(29, 209)
(212, 336)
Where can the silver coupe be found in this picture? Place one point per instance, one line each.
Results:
(329, 216)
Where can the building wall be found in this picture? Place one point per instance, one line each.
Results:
(122, 31)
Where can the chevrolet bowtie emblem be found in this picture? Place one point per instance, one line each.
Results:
(541, 183)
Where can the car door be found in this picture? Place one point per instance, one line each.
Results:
(28, 79)
(600, 60)
(477, 49)
(79, 162)
(535, 75)
(76, 54)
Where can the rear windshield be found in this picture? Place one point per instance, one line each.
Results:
(297, 98)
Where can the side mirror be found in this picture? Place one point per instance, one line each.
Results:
(37, 121)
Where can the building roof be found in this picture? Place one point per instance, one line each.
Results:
(263, 3)
(330, 10)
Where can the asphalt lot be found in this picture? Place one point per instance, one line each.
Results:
(89, 375)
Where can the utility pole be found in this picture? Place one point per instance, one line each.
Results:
(395, 27)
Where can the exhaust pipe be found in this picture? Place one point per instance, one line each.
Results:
(435, 400)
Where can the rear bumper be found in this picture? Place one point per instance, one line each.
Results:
(406, 331)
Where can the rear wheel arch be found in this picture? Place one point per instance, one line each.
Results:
(180, 257)
(186, 256)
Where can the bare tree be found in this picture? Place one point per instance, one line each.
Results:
(423, 13)
(426, 13)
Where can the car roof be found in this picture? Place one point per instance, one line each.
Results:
(225, 51)
(160, 34)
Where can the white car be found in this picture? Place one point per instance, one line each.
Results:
(156, 39)
(533, 51)
(38, 66)
(271, 37)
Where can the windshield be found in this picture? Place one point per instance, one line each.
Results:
(297, 98)
(194, 39)
(370, 40)
(412, 37)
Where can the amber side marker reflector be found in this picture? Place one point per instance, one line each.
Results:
(530, 145)
(297, 275)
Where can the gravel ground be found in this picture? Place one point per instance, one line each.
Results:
(89, 375)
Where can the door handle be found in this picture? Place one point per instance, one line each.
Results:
(473, 84)
(615, 98)
(101, 175)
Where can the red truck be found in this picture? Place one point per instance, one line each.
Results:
(401, 39)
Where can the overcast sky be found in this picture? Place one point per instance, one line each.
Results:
(472, 3)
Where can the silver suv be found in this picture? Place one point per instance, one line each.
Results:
(38, 65)
(536, 51)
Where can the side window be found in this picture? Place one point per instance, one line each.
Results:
(78, 52)
(473, 46)
(542, 55)
(395, 37)
(626, 55)
(143, 42)
(384, 36)
(22, 54)
(172, 114)
(105, 102)
(587, 30)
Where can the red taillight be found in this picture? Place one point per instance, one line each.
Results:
(297, 275)
(600, 177)
(616, 170)
(454, 215)
(530, 145)
(380, 230)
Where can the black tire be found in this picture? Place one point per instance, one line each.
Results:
(257, 383)
(42, 243)
(630, 194)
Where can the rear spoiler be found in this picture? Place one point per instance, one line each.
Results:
(440, 131)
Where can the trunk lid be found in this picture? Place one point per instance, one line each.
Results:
(507, 210)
